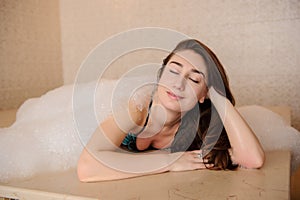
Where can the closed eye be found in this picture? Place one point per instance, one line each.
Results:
(177, 73)
(195, 81)
(173, 72)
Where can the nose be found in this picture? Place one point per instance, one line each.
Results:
(180, 83)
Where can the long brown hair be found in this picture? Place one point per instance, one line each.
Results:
(209, 134)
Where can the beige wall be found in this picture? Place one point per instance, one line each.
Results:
(257, 41)
(30, 50)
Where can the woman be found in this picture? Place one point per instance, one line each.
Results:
(188, 121)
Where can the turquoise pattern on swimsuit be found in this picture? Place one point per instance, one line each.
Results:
(130, 142)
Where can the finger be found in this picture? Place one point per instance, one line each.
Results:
(198, 154)
(197, 151)
(200, 160)
(203, 166)
(209, 165)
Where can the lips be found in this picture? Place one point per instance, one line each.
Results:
(174, 96)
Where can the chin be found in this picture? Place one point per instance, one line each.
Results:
(177, 106)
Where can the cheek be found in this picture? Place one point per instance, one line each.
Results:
(198, 92)
(192, 95)
(162, 92)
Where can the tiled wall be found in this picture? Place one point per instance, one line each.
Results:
(258, 41)
(30, 50)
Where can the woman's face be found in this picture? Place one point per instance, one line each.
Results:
(183, 81)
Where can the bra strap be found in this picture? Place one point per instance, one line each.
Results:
(147, 118)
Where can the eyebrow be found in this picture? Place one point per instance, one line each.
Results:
(193, 70)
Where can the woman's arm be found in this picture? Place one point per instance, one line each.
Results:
(245, 147)
(102, 160)
(111, 165)
(105, 161)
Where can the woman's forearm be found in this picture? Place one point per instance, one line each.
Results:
(110, 165)
(246, 149)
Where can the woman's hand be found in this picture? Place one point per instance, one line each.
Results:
(189, 160)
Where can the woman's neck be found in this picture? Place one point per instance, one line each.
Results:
(167, 117)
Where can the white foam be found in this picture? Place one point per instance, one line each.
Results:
(273, 132)
(45, 136)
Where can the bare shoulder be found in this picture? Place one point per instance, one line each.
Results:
(139, 104)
